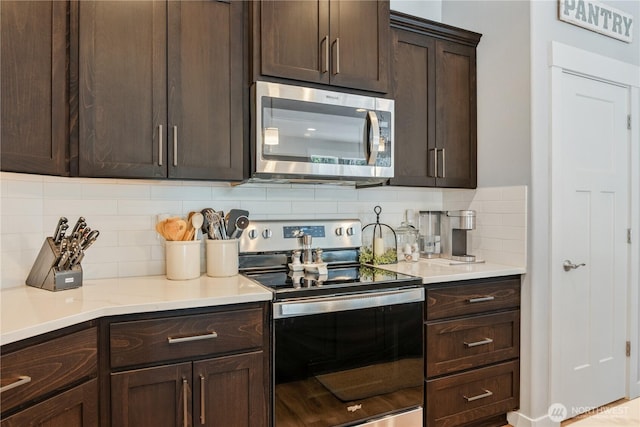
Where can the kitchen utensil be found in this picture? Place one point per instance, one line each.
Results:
(61, 232)
(173, 228)
(241, 223)
(56, 234)
(207, 225)
(232, 218)
(88, 241)
(80, 223)
(197, 219)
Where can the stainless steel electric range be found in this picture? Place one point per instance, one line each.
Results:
(347, 339)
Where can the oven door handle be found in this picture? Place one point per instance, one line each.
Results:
(311, 306)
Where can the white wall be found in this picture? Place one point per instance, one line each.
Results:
(503, 86)
(429, 9)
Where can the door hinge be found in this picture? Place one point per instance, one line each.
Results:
(628, 121)
(628, 350)
(628, 235)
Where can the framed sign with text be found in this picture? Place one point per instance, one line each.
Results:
(598, 17)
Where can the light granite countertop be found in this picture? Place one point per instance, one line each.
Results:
(26, 312)
(439, 270)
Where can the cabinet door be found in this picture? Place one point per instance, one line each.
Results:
(152, 397)
(456, 115)
(123, 89)
(294, 39)
(77, 407)
(230, 391)
(206, 42)
(34, 102)
(360, 42)
(414, 92)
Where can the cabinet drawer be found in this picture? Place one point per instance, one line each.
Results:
(52, 365)
(148, 341)
(471, 342)
(472, 298)
(475, 395)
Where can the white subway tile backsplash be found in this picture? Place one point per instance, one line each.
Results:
(148, 207)
(297, 194)
(69, 207)
(125, 212)
(116, 191)
(240, 192)
(15, 206)
(24, 189)
(180, 192)
(62, 190)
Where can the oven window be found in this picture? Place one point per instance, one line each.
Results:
(344, 367)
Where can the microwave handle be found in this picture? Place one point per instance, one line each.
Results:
(373, 136)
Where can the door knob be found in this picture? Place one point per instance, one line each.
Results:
(568, 265)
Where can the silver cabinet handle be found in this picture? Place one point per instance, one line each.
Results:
(486, 393)
(337, 43)
(175, 146)
(374, 141)
(568, 265)
(435, 162)
(159, 145)
(202, 399)
(22, 380)
(477, 343)
(206, 336)
(481, 299)
(444, 164)
(325, 61)
(185, 402)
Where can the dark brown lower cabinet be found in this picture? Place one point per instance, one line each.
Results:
(207, 367)
(77, 407)
(472, 348)
(225, 391)
(50, 380)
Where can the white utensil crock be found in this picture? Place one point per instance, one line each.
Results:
(222, 257)
(182, 259)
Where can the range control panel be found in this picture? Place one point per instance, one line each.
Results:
(287, 235)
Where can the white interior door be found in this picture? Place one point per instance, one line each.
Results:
(590, 217)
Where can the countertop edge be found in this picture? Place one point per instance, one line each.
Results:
(95, 309)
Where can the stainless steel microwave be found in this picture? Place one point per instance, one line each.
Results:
(306, 134)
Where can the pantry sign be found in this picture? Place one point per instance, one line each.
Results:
(598, 17)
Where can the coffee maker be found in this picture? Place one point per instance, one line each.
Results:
(454, 233)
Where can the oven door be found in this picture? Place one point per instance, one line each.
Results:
(305, 132)
(349, 360)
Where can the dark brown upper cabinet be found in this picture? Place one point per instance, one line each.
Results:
(34, 39)
(161, 89)
(434, 87)
(335, 42)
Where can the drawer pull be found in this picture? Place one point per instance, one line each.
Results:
(481, 299)
(486, 393)
(206, 336)
(22, 379)
(477, 343)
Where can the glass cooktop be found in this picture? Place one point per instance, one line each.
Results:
(338, 280)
